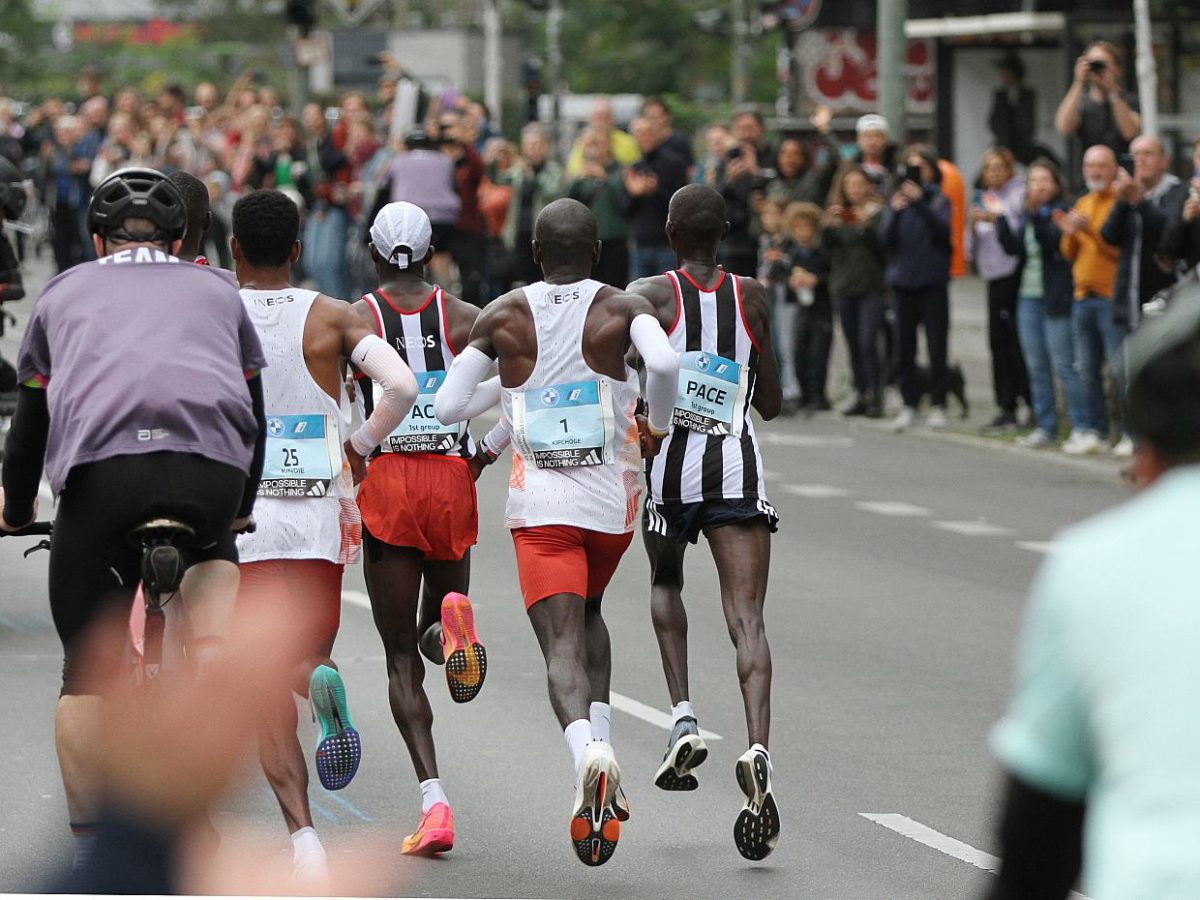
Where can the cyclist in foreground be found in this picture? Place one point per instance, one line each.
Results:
(140, 395)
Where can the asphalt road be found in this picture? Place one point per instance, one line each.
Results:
(898, 578)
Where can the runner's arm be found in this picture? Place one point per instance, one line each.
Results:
(768, 395)
(661, 362)
(259, 405)
(497, 440)
(24, 455)
(460, 394)
(374, 358)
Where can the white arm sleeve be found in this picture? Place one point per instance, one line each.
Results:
(485, 397)
(662, 369)
(378, 361)
(498, 439)
(453, 401)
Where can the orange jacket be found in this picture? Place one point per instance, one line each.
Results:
(955, 190)
(1093, 260)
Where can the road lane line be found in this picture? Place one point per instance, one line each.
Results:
(1036, 546)
(975, 528)
(892, 508)
(649, 714)
(942, 843)
(806, 440)
(348, 805)
(815, 491)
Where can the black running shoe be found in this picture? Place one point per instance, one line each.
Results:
(756, 831)
(685, 751)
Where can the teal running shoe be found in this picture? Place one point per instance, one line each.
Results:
(339, 750)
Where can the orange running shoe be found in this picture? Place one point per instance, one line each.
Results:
(466, 660)
(434, 835)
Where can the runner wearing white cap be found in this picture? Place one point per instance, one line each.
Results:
(419, 508)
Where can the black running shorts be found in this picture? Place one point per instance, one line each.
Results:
(93, 567)
(682, 522)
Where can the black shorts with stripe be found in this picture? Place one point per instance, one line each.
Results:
(684, 522)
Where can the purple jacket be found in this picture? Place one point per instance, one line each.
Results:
(983, 244)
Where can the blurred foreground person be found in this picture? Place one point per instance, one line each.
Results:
(1101, 740)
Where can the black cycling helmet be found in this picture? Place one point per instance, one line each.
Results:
(139, 193)
(12, 190)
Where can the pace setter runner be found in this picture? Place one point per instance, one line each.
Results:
(568, 400)
(709, 479)
(419, 508)
(308, 523)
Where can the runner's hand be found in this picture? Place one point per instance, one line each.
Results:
(475, 465)
(6, 526)
(358, 463)
(243, 525)
(649, 442)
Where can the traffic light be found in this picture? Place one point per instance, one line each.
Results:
(302, 14)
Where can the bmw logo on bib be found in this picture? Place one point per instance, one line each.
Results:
(275, 427)
(550, 396)
(703, 362)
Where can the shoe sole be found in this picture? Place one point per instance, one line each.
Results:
(432, 842)
(675, 772)
(756, 831)
(466, 659)
(339, 751)
(595, 828)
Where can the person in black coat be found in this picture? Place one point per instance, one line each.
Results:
(1013, 112)
(1044, 304)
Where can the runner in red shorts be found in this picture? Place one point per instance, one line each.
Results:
(418, 506)
(568, 401)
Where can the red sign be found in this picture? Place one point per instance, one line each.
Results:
(152, 31)
(838, 67)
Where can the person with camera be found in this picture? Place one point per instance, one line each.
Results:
(467, 244)
(601, 188)
(1181, 237)
(1096, 109)
(649, 185)
(916, 234)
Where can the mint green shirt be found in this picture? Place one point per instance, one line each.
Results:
(1107, 701)
(1031, 275)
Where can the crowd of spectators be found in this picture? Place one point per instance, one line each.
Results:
(862, 236)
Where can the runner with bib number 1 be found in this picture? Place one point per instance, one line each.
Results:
(568, 398)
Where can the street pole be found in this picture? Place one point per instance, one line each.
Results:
(889, 67)
(491, 61)
(1147, 71)
(297, 78)
(554, 59)
(739, 75)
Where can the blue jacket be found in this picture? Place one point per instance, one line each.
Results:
(1058, 285)
(917, 239)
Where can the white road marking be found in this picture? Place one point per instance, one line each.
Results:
(649, 714)
(1036, 546)
(805, 440)
(771, 476)
(45, 494)
(815, 491)
(356, 598)
(942, 843)
(892, 508)
(975, 528)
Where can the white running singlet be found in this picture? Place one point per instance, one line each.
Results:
(576, 455)
(305, 507)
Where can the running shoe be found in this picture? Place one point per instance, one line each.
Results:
(339, 750)
(434, 835)
(595, 828)
(756, 831)
(466, 660)
(685, 751)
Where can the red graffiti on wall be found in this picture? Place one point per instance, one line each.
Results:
(838, 67)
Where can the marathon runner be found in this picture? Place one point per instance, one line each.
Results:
(308, 523)
(568, 401)
(419, 509)
(709, 479)
(141, 395)
(199, 215)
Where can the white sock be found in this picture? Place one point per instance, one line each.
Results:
(759, 748)
(577, 735)
(306, 843)
(600, 715)
(682, 710)
(431, 793)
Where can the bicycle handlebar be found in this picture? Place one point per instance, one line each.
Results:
(34, 529)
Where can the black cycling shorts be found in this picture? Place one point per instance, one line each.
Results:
(680, 522)
(93, 566)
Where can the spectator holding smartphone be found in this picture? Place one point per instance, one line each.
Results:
(1181, 238)
(1096, 109)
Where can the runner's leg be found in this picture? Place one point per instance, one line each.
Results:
(558, 622)
(667, 611)
(440, 578)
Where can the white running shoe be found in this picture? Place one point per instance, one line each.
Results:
(905, 419)
(310, 869)
(1082, 443)
(1036, 439)
(936, 420)
(1123, 448)
(595, 827)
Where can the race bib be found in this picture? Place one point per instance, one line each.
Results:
(300, 456)
(421, 432)
(564, 425)
(711, 394)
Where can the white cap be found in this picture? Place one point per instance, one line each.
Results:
(872, 122)
(401, 234)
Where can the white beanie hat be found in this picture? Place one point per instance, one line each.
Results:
(401, 234)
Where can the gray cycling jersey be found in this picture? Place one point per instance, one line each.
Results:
(141, 353)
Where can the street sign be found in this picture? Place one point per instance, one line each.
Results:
(352, 12)
(312, 51)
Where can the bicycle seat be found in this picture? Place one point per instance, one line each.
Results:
(163, 531)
